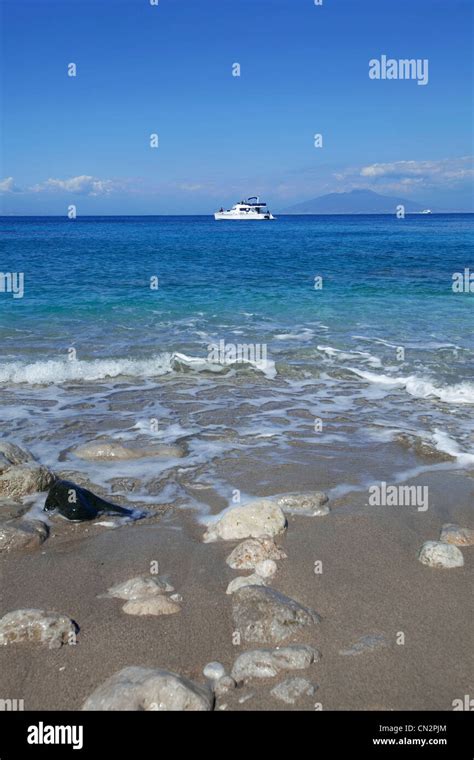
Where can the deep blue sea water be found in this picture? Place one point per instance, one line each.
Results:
(384, 345)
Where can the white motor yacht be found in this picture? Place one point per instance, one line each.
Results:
(250, 209)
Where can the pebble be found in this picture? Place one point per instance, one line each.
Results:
(214, 671)
(293, 689)
(249, 553)
(451, 533)
(268, 663)
(439, 554)
(137, 688)
(37, 627)
(258, 519)
(261, 614)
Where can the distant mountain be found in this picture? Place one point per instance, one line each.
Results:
(354, 202)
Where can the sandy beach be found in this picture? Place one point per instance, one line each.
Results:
(371, 584)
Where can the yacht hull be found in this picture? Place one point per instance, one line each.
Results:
(220, 216)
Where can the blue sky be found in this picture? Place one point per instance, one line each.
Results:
(167, 69)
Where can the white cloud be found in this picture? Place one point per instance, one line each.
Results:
(408, 176)
(450, 170)
(7, 185)
(82, 185)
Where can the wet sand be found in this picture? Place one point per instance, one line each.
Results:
(371, 583)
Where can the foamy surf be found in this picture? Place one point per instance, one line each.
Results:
(58, 371)
(460, 393)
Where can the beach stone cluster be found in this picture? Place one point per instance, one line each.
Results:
(146, 595)
(445, 552)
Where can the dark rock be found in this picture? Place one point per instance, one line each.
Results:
(76, 503)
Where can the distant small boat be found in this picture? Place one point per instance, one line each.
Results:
(426, 211)
(250, 209)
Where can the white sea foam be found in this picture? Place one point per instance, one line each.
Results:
(460, 393)
(304, 334)
(374, 361)
(448, 445)
(57, 371)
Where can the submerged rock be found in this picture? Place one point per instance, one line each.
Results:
(439, 554)
(258, 519)
(268, 663)
(136, 688)
(11, 454)
(37, 627)
(113, 450)
(139, 587)
(22, 534)
(424, 448)
(261, 614)
(76, 503)
(151, 605)
(247, 554)
(311, 504)
(25, 479)
(366, 644)
(293, 689)
(451, 533)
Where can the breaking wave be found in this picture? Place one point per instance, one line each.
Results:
(460, 393)
(57, 371)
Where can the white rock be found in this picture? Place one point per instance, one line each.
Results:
(451, 533)
(151, 605)
(312, 504)
(136, 688)
(268, 663)
(259, 518)
(249, 553)
(266, 569)
(263, 571)
(140, 587)
(37, 627)
(214, 671)
(439, 554)
(292, 689)
(245, 580)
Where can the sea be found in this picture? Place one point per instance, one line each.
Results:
(309, 352)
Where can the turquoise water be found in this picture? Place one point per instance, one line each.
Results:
(386, 286)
